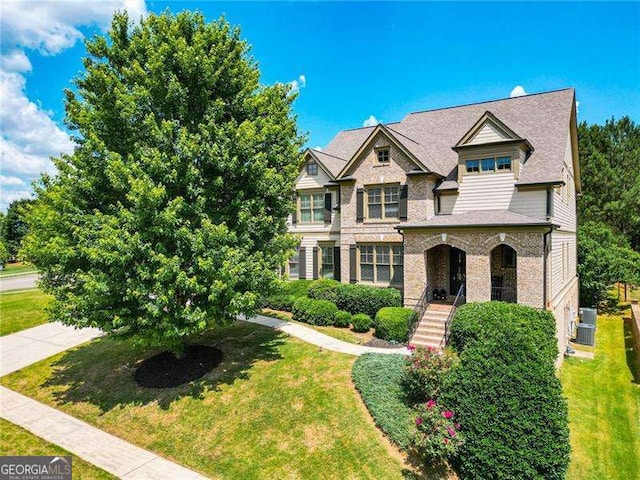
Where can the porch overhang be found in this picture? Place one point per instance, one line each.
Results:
(479, 219)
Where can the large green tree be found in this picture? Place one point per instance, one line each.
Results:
(170, 214)
(14, 225)
(610, 173)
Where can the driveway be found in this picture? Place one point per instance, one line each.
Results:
(19, 282)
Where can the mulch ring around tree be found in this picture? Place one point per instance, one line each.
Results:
(166, 371)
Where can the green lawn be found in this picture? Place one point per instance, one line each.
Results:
(16, 268)
(18, 441)
(604, 406)
(21, 310)
(275, 408)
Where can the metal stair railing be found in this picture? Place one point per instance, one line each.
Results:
(459, 300)
(419, 309)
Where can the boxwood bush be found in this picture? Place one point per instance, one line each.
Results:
(365, 299)
(314, 312)
(378, 377)
(297, 288)
(324, 289)
(343, 319)
(361, 322)
(393, 323)
(506, 394)
(280, 302)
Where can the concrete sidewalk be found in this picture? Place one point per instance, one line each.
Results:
(19, 282)
(34, 344)
(92, 444)
(314, 337)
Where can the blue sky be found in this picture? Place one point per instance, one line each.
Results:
(357, 60)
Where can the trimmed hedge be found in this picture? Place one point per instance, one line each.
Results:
(393, 323)
(297, 288)
(314, 312)
(365, 299)
(280, 302)
(378, 377)
(506, 394)
(342, 319)
(361, 322)
(324, 289)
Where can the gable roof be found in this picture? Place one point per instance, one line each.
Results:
(543, 119)
(332, 165)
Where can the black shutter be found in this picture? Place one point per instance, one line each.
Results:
(402, 205)
(336, 263)
(339, 200)
(359, 205)
(327, 208)
(294, 214)
(315, 263)
(303, 263)
(353, 265)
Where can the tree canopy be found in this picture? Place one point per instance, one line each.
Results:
(14, 226)
(170, 215)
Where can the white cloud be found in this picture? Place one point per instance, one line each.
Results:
(29, 135)
(518, 91)
(370, 122)
(50, 27)
(11, 181)
(318, 149)
(296, 85)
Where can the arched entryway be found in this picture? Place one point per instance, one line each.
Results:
(446, 270)
(504, 274)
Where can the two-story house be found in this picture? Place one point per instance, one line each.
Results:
(476, 201)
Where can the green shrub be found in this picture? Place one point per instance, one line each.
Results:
(436, 436)
(361, 322)
(324, 289)
(378, 378)
(425, 372)
(314, 312)
(280, 302)
(365, 299)
(393, 323)
(475, 321)
(343, 319)
(297, 288)
(506, 394)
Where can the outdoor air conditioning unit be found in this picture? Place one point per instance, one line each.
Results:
(586, 334)
(589, 316)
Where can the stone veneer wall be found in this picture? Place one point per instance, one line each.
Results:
(478, 246)
(561, 307)
(368, 171)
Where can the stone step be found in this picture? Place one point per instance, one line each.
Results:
(439, 307)
(429, 331)
(436, 339)
(421, 343)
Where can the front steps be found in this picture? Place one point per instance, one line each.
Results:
(431, 329)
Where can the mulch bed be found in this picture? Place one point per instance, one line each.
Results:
(166, 371)
(376, 342)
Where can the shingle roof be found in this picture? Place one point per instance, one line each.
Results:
(331, 163)
(543, 119)
(478, 218)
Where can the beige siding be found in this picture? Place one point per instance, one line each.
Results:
(563, 260)
(305, 181)
(487, 134)
(532, 203)
(305, 228)
(564, 203)
(491, 191)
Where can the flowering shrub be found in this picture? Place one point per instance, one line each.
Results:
(436, 436)
(425, 371)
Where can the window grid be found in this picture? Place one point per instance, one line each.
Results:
(312, 208)
(312, 168)
(488, 164)
(383, 155)
(381, 264)
(294, 264)
(382, 202)
(326, 256)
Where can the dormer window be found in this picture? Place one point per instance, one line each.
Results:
(383, 155)
(488, 165)
(503, 163)
(312, 169)
(473, 166)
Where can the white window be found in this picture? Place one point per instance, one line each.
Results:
(383, 154)
(311, 208)
(382, 202)
(326, 257)
(312, 168)
(381, 264)
(294, 265)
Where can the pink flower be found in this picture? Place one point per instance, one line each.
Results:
(457, 426)
(445, 440)
(447, 414)
(451, 431)
(418, 421)
(431, 404)
(411, 348)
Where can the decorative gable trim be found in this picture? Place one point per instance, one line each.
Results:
(310, 155)
(489, 120)
(393, 140)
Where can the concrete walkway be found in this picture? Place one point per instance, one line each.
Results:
(314, 337)
(18, 282)
(92, 444)
(34, 344)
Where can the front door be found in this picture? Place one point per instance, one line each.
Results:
(457, 270)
